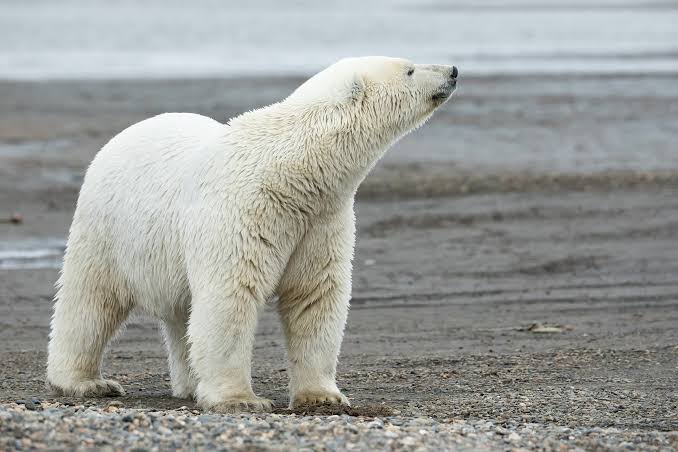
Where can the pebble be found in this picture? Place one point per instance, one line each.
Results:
(377, 423)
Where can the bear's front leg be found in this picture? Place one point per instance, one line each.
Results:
(221, 335)
(314, 297)
(231, 275)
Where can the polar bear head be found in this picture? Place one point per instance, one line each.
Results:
(386, 96)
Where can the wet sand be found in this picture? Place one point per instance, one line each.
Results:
(458, 256)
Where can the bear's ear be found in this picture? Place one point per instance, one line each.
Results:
(357, 88)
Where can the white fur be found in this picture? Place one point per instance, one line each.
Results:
(200, 223)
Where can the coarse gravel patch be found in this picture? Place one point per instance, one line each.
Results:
(33, 424)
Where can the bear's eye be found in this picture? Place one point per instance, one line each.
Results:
(410, 72)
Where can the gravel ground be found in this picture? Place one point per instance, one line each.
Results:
(42, 425)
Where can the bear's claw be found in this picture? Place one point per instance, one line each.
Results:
(90, 388)
(318, 398)
(251, 405)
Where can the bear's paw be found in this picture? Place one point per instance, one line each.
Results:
(90, 388)
(307, 398)
(243, 405)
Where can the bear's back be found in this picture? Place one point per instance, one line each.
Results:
(150, 155)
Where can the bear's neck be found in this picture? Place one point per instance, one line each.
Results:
(325, 155)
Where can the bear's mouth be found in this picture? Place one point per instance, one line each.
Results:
(445, 92)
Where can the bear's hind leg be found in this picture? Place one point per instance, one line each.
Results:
(175, 333)
(86, 316)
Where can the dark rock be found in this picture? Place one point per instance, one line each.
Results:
(31, 406)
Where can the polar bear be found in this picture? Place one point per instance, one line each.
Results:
(200, 223)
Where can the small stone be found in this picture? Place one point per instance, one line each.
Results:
(408, 441)
(164, 431)
(514, 437)
(376, 424)
(30, 405)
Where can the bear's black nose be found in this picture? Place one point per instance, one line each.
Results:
(455, 72)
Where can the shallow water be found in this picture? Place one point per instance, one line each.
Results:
(32, 254)
(171, 38)
(32, 148)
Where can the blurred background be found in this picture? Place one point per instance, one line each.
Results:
(592, 49)
(210, 38)
(542, 194)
